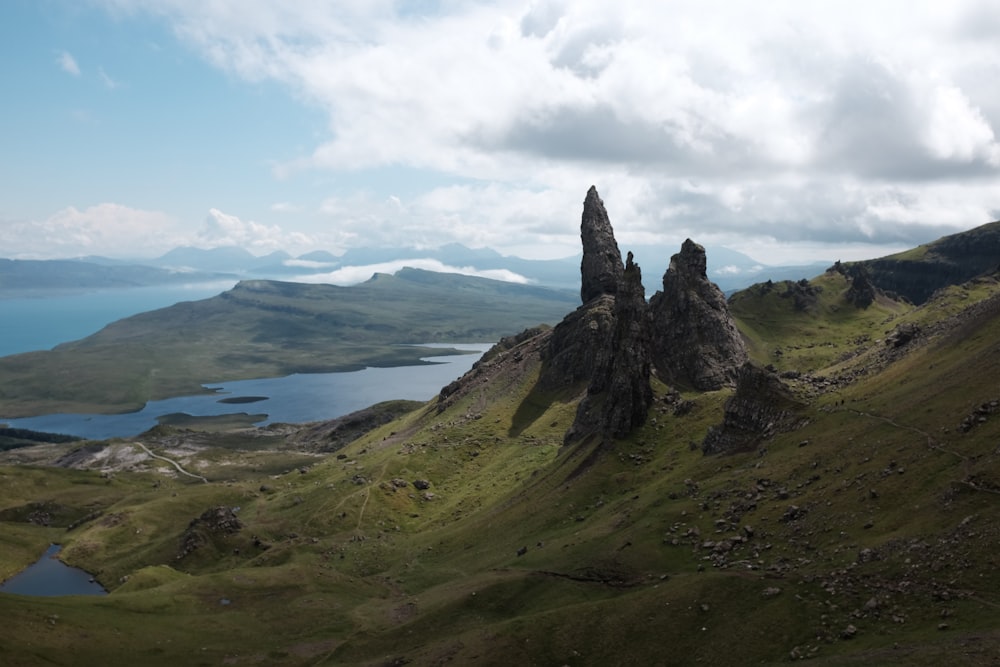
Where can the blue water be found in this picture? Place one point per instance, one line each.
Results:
(49, 577)
(290, 399)
(40, 323)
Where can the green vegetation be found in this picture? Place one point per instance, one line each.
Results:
(808, 325)
(869, 534)
(269, 329)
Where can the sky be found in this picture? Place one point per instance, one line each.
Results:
(790, 131)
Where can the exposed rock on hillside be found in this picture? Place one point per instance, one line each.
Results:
(951, 260)
(695, 341)
(619, 394)
(579, 345)
(761, 407)
(212, 522)
(332, 435)
(504, 364)
(606, 349)
(601, 267)
(862, 292)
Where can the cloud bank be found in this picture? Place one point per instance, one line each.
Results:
(820, 125)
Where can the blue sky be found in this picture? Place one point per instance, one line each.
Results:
(790, 131)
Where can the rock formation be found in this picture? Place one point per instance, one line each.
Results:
(862, 292)
(216, 521)
(619, 394)
(951, 260)
(601, 267)
(604, 351)
(761, 407)
(695, 341)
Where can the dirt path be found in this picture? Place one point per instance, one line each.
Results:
(172, 462)
(935, 445)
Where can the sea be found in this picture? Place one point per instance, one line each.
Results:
(31, 323)
(40, 323)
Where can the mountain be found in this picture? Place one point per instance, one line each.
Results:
(729, 269)
(26, 276)
(822, 488)
(228, 259)
(268, 329)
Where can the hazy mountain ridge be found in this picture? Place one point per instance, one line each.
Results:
(729, 269)
(19, 276)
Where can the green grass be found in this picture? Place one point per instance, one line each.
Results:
(815, 337)
(359, 570)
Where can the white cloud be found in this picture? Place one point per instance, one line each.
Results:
(109, 83)
(728, 270)
(104, 229)
(68, 63)
(308, 264)
(825, 124)
(223, 229)
(351, 275)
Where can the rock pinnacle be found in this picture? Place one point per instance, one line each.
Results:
(601, 268)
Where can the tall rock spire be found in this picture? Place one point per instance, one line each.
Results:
(619, 394)
(601, 268)
(695, 341)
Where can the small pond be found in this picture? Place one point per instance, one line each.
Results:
(51, 577)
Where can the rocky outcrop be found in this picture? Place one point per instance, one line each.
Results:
(217, 521)
(579, 346)
(695, 341)
(951, 260)
(601, 267)
(619, 394)
(862, 292)
(608, 347)
(761, 407)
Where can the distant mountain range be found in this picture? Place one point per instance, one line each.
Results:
(729, 269)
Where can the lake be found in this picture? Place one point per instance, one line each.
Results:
(291, 399)
(49, 577)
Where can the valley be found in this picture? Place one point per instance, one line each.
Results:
(819, 480)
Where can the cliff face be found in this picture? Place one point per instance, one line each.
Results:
(951, 260)
(695, 341)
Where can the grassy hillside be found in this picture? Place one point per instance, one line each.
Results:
(867, 535)
(269, 329)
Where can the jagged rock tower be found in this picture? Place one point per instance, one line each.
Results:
(614, 339)
(695, 341)
(601, 267)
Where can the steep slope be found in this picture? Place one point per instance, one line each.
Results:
(951, 260)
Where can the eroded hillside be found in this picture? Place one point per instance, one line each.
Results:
(515, 519)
